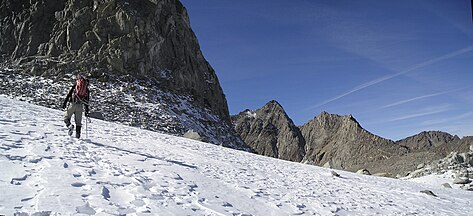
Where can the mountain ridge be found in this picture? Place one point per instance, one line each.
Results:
(339, 141)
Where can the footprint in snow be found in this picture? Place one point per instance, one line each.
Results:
(35, 136)
(85, 209)
(92, 172)
(13, 157)
(192, 187)
(33, 159)
(42, 213)
(177, 177)
(77, 184)
(17, 181)
(138, 203)
(105, 193)
(126, 211)
(226, 204)
(26, 199)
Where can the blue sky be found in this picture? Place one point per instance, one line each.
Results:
(399, 67)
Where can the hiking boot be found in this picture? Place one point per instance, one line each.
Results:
(78, 131)
(71, 129)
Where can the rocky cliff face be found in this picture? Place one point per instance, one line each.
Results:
(341, 141)
(146, 44)
(270, 132)
(428, 140)
(464, 144)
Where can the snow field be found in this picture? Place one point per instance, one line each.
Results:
(122, 170)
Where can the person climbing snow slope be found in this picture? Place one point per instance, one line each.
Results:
(78, 99)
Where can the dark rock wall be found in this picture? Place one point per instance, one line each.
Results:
(270, 132)
(149, 40)
(343, 142)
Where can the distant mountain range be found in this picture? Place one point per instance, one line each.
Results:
(340, 142)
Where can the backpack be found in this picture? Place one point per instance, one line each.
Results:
(80, 91)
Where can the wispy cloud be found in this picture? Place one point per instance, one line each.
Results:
(460, 117)
(457, 22)
(426, 112)
(417, 98)
(388, 77)
(438, 59)
(358, 88)
(462, 130)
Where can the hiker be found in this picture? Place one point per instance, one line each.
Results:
(79, 102)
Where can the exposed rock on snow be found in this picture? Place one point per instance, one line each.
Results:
(86, 209)
(461, 180)
(193, 135)
(328, 165)
(389, 175)
(446, 185)
(334, 174)
(457, 164)
(428, 192)
(136, 104)
(363, 172)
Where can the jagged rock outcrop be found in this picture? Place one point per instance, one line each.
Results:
(270, 132)
(459, 164)
(428, 140)
(465, 144)
(144, 45)
(341, 140)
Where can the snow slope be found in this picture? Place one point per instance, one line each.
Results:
(121, 170)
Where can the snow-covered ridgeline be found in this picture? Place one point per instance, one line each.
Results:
(125, 170)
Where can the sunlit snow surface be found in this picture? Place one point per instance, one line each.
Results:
(123, 170)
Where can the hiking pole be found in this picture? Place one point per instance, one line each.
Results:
(86, 131)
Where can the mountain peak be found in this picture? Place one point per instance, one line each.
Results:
(427, 140)
(341, 140)
(273, 104)
(270, 132)
(335, 120)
